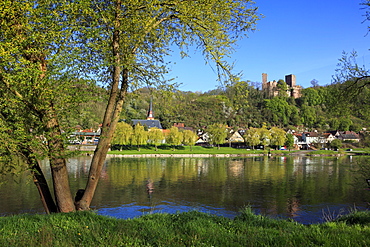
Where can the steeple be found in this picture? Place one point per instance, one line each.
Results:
(150, 111)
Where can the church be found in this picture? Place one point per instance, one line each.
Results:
(149, 122)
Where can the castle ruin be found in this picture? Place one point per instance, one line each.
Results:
(272, 90)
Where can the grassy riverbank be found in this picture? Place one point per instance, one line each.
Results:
(194, 150)
(198, 150)
(185, 229)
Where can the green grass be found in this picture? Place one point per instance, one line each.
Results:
(325, 152)
(195, 150)
(363, 151)
(184, 229)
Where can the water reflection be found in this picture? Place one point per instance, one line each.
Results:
(296, 187)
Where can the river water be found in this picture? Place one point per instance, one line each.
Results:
(306, 189)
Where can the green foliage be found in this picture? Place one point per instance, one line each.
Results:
(217, 134)
(139, 136)
(311, 97)
(264, 135)
(123, 134)
(174, 137)
(35, 91)
(336, 143)
(283, 88)
(356, 218)
(278, 136)
(289, 141)
(345, 124)
(183, 150)
(189, 138)
(365, 140)
(155, 136)
(281, 111)
(180, 229)
(238, 93)
(315, 109)
(252, 137)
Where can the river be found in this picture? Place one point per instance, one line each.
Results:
(306, 189)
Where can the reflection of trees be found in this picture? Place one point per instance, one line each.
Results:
(272, 184)
(276, 185)
(361, 171)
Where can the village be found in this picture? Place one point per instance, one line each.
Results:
(302, 140)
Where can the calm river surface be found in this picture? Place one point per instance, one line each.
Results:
(306, 189)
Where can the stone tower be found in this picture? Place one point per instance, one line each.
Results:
(264, 78)
(290, 80)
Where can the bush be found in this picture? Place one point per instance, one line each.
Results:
(336, 143)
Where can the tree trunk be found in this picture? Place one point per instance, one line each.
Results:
(42, 186)
(109, 125)
(62, 191)
(111, 116)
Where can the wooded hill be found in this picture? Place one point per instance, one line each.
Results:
(242, 104)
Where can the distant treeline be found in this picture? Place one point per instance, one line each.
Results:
(241, 104)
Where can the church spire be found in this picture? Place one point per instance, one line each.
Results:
(150, 111)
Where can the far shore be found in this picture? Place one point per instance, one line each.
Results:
(181, 155)
(206, 152)
(292, 153)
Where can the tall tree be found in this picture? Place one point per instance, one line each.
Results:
(252, 137)
(122, 134)
(39, 89)
(155, 137)
(217, 134)
(120, 42)
(139, 136)
(174, 138)
(133, 38)
(265, 135)
(278, 137)
(189, 138)
(289, 141)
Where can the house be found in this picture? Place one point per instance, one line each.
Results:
(306, 139)
(329, 137)
(236, 137)
(203, 138)
(318, 138)
(88, 136)
(311, 137)
(181, 126)
(349, 136)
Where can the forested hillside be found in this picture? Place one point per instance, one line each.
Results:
(242, 104)
(246, 105)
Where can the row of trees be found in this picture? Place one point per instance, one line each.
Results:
(273, 137)
(216, 134)
(125, 134)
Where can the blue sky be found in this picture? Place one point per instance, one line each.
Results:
(305, 38)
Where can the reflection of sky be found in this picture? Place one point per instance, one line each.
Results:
(134, 210)
(308, 214)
